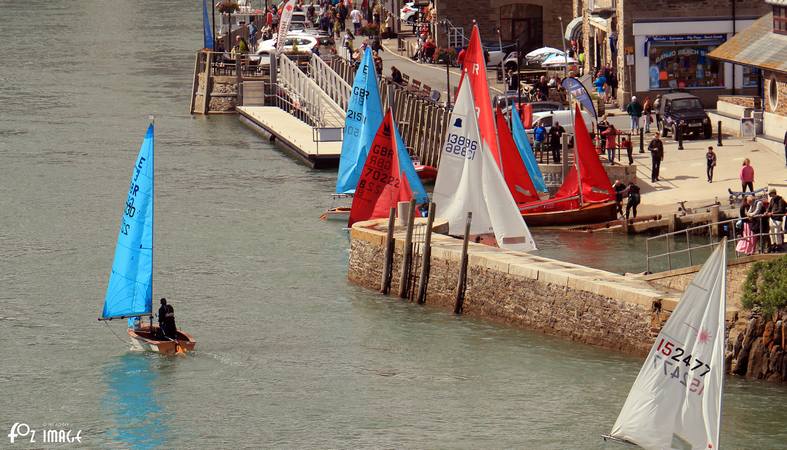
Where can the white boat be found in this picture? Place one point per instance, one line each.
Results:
(469, 180)
(130, 291)
(675, 401)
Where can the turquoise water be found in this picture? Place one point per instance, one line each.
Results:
(290, 354)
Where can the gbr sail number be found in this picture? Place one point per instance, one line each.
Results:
(461, 146)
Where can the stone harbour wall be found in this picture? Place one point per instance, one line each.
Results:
(583, 304)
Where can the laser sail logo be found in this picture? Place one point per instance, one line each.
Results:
(46, 435)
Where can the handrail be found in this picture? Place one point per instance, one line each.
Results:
(330, 81)
(728, 224)
(311, 99)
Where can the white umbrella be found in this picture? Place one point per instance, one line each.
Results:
(558, 60)
(543, 53)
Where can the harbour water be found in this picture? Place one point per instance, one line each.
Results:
(289, 353)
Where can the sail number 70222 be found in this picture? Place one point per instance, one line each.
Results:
(461, 146)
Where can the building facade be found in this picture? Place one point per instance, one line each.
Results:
(655, 46)
(532, 23)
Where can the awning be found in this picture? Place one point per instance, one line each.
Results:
(599, 22)
(574, 29)
(756, 46)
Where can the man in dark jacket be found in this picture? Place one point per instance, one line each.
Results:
(634, 110)
(656, 148)
(555, 141)
(775, 212)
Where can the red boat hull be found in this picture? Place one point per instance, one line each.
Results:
(590, 213)
(427, 174)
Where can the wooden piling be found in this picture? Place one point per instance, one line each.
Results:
(714, 219)
(404, 279)
(426, 257)
(461, 285)
(385, 284)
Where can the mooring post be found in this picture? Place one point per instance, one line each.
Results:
(385, 285)
(714, 219)
(404, 279)
(423, 279)
(718, 135)
(642, 140)
(462, 283)
(238, 80)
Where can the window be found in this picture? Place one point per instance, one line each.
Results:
(773, 93)
(683, 65)
(780, 19)
(751, 76)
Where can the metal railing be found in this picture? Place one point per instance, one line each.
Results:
(329, 81)
(728, 228)
(306, 96)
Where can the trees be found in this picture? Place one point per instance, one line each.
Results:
(765, 287)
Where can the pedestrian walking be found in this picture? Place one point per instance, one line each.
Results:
(647, 110)
(747, 176)
(602, 126)
(555, 141)
(633, 200)
(656, 148)
(626, 144)
(634, 110)
(539, 133)
(610, 136)
(656, 106)
(356, 16)
(710, 157)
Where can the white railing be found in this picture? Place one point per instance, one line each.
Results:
(330, 81)
(310, 98)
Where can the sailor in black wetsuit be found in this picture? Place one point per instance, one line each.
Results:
(166, 320)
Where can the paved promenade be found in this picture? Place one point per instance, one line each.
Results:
(682, 176)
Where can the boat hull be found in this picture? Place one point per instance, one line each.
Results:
(592, 213)
(427, 174)
(341, 213)
(145, 340)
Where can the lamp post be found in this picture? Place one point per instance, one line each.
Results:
(447, 68)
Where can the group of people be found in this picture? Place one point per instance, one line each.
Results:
(552, 139)
(606, 84)
(631, 193)
(758, 217)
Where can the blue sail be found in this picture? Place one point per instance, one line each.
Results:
(526, 152)
(364, 116)
(406, 165)
(130, 290)
(207, 33)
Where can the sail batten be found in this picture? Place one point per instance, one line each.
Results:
(675, 401)
(130, 289)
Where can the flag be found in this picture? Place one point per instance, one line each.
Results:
(284, 24)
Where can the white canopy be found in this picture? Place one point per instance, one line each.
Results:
(558, 61)
(543, 53)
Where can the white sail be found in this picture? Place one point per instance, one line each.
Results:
(676, 399)
(468, 180)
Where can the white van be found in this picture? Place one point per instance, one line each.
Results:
(563, 116)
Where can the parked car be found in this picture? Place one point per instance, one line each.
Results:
(511, 97)
(497, 52)
(409, 12)
(563, 116)
(304, 41)
(685, 108)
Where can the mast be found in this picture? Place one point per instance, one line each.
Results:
(571, 108)
(152, 119)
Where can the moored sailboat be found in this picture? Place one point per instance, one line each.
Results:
(130, 290)
(675, 401)
(586, 195)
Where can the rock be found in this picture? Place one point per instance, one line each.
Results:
(757, 364)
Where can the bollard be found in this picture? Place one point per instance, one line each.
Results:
(404, 278)
(714, 218)
(641, 140)
(423, 279)
(679, 137)
(389, 251)
(461, 285)
(718, 135)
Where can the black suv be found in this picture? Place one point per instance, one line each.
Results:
(681, 108)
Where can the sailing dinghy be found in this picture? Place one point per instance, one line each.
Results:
(130, 291)
(675, 401)
(468, 180)
(586, 195)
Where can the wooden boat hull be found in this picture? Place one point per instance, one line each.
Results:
(427, 174)
(341, 213)
(145, 340)
(592, 213)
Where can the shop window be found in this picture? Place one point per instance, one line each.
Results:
(780, 19)
(684, 65)
(773, 93)
(751, 76)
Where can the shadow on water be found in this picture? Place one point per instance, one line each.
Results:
(132, 402)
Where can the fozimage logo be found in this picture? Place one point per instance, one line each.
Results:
(55, 433)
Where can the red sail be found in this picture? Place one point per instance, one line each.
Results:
(382, 184)
(513, 168)
(593, 178)
(474, 69)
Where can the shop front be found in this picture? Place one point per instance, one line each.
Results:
(674, 56)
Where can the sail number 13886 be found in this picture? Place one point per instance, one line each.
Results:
(461, 146)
